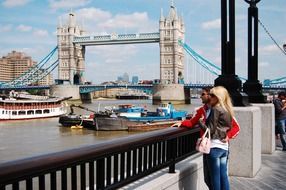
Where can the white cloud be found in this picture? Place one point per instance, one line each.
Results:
(213, 24)
(5, 28)
(134, 20)
(24, 28)
(98, 21)
(63, 4)
(14, 3)
(268, 49)
(93, 14)
(40, 33)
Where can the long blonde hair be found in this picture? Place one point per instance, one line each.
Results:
(224, 98)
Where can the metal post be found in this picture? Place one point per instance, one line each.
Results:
(252, 86)
(228, 78)
(171, 154)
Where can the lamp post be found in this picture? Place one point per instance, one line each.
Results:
(284, 47)
(252, 86)
(228, 78)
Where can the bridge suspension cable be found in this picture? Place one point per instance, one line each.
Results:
(212, 68)
(271, 37)
(36, 66)
(36, 72)
(280, 80)
(40, 74)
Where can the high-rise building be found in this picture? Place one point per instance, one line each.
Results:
(15, 64)
(125, 77)
(119, 78)
(135, 80)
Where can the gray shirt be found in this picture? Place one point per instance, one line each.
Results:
(279, 113)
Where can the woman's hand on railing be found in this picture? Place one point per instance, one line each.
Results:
(177, 124)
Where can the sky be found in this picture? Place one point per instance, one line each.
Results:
(29, 26)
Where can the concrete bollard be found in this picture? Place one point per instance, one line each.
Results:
(245, 150)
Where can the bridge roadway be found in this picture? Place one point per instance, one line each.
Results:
(145, 87)
(117, 39)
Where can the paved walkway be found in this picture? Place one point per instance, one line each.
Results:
(272, 174)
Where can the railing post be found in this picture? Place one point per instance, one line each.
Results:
(100, 173)
(2, 187)
(171, 154)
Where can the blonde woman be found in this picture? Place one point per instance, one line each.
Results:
(219, 123)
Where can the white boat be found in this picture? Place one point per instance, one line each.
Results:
(12, 108)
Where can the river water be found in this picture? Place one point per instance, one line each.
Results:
(26, 138)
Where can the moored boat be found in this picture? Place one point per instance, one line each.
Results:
(163, 113)
(165, 116)
(126, 117)
(25, 106)
(132, 96)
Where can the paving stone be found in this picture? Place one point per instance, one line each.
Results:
(271, 176)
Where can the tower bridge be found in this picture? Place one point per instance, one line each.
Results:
(72, 40)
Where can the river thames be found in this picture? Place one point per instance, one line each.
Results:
(27, 138)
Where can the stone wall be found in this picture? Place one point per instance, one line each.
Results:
(189, 175)
(164, 93)
(65, 91)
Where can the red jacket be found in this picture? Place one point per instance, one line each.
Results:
(201, 113)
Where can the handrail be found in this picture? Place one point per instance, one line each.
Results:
(137, 155)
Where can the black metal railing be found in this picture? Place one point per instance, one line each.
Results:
(107, 165)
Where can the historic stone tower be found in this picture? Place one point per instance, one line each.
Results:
(171, 88)
(171, 29)
(71, 56)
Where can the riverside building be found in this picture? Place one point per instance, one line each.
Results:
(15, 64)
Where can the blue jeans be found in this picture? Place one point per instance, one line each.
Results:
(217, 161)
(280, 129)
(206, 167)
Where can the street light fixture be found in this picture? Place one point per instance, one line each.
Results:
(252, 86)
(228, 78)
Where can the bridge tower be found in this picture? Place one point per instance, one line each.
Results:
(171, 29)
(171, 88)
(71, 56)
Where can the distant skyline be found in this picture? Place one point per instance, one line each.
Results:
(29, 26)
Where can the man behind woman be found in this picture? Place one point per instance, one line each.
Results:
(280, 117)
(217, 115)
